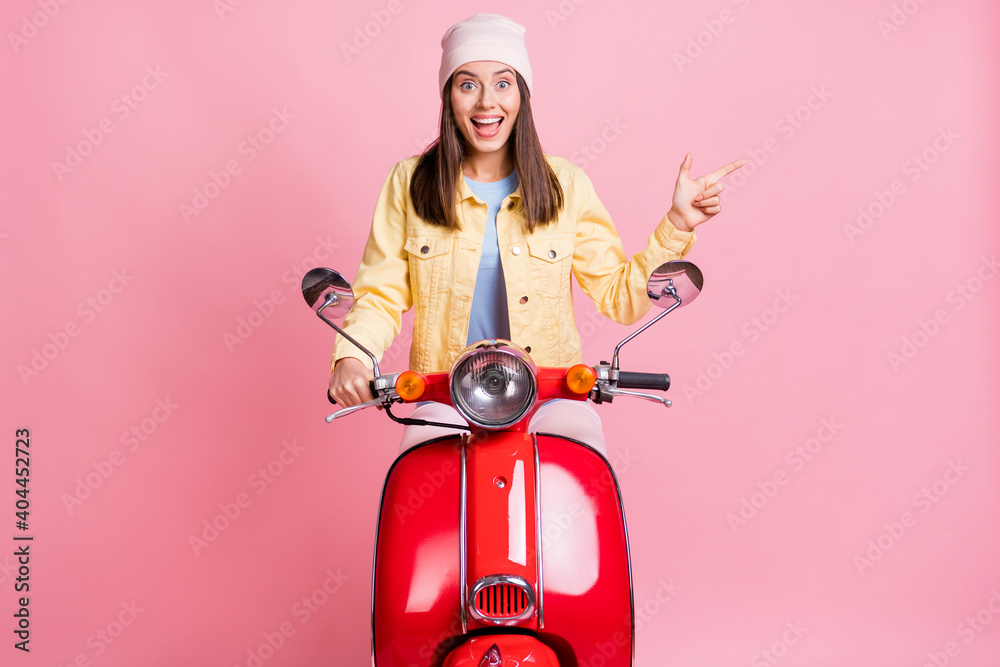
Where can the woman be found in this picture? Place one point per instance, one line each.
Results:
(481, 232)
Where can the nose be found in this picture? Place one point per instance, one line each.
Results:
(487, 98)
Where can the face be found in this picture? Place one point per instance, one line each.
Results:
(485, 100)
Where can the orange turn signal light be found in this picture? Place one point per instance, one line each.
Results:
(581, 378)
(410, 385)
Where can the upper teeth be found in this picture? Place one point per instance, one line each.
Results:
(487, 120)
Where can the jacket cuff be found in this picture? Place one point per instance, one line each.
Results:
(360, 356)
(673, 239)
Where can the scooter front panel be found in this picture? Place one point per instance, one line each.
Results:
(416, 596)
(586, 596)
(501, 529)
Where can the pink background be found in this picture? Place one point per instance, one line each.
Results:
(609, 77)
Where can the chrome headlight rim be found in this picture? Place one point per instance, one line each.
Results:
(503, 347)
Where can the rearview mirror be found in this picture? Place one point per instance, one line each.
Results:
(330, 295)
(327, 290)
(679, 278)
(672, 285)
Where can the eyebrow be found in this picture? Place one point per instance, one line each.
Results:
(497, 73)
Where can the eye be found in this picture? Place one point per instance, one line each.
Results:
(467, 85)
(503, 85)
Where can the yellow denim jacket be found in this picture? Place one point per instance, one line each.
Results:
(408, 262)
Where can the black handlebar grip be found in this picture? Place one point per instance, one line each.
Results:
(631, 380)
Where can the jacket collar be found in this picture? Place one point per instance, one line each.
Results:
(465, 192)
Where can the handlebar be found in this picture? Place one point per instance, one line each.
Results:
(626, 380)
(634, 380)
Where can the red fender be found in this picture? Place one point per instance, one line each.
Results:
(416, 597)
(502, 650)
(585, 562)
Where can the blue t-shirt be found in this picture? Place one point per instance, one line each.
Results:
(488, 317)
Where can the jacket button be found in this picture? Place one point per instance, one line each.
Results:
(510, 206)
(524, 299)
(425, 250)
(516, 250)
(528, 349)
(552, 254)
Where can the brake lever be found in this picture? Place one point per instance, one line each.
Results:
(381, 400)
(614, 391)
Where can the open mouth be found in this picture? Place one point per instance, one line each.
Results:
(487, 126)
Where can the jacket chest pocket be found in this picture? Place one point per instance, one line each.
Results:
(430, 259)
(550, 261)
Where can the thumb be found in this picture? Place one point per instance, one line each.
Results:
(685, 169)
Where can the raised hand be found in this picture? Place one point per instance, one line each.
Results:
(696, 200)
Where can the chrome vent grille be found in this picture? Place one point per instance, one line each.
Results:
(502, 599)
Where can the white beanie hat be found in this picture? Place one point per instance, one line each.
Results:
(484, 37)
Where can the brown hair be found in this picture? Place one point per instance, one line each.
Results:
(434, 186)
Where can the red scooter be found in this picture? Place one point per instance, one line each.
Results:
(498, 547)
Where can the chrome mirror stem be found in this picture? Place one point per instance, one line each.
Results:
(669, 289)
(332, 300)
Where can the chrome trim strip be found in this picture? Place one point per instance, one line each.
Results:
(493, 580)
(538, 534)
(628, 558)
(375, 562)
(462, 546)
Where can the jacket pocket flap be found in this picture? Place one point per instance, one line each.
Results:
(425, 247)
(551, 250)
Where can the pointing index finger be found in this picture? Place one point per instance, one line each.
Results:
(712, 177)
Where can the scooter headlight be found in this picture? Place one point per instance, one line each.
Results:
(493, 384)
